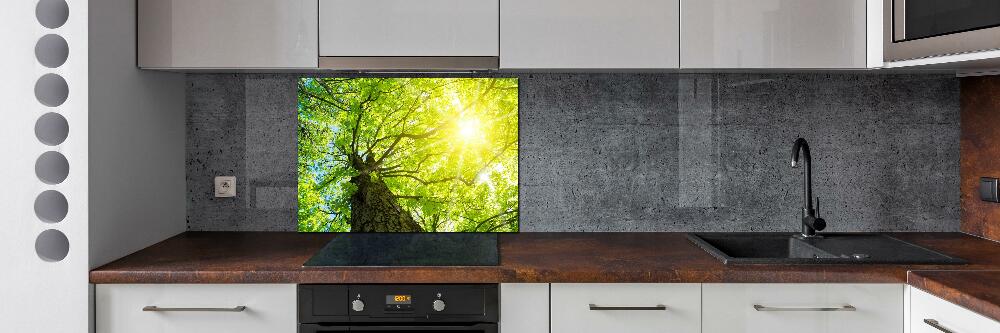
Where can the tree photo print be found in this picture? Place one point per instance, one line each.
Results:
(407, 155)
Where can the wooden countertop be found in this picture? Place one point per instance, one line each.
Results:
(277, 257)
(978, 291)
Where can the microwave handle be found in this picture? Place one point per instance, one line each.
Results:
(898, 17)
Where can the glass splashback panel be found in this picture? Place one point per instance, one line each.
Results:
(408, 154)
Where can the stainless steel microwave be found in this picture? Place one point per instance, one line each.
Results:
(928, 28)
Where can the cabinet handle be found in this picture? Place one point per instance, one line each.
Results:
(935, 324)
(594, 307)
(848, 307)
(154, 308)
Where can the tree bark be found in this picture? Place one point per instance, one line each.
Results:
(374, 208)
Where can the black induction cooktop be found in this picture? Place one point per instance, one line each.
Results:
(408, 249)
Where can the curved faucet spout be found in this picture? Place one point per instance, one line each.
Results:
(800, 145)
(807, 188)
(810, 222)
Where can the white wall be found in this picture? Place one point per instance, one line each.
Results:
(126, 128)
(137, 187)
(38, 295)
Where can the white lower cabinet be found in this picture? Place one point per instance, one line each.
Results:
(930, 314)
(524, 307)
(815, 308)
(196, 308)
(625, 307)
(569, 308)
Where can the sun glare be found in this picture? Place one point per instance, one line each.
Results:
(468, 129)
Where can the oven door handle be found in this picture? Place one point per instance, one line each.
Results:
(312, 328)
(482, 327)
(486, 328)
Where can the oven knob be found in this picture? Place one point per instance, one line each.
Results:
(358, 305)
(438, 305)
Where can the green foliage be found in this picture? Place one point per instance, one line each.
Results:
(446, 148)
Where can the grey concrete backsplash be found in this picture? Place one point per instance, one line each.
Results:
(639, 152)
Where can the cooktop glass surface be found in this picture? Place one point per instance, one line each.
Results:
(408, 249)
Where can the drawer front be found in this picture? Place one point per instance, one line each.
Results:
(946, 315)
(657, 308)
(269, 308)
(776, 308)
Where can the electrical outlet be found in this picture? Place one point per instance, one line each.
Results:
(988, 189)
(225, 187)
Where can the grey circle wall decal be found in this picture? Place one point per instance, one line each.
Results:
(52, 245)
(51, 90)
(52, 13)
(52, 167)
(51, 206)
(51, 51)
(51, 129)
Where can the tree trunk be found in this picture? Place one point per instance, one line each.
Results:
(374, 208)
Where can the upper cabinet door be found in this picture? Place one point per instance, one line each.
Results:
(409, 28)
(589, 34)
(773, 34)
(227, 33)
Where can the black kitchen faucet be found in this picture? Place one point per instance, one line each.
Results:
(810, 221)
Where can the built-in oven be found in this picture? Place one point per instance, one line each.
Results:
(386, 308)
(928, 28)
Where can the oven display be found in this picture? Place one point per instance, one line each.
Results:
(398, 299)
(398, 302)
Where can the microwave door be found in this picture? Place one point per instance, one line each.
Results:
(916, 19)
(916, 29)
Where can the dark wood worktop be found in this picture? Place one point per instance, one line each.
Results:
(273, 257)
(277, 257)
(978, 291)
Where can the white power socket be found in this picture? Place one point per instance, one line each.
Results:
(225, 186)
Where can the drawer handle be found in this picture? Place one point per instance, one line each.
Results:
(935, 324)
(658, 307)
(848, 307)
(154, 308)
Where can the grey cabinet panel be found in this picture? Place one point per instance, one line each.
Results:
(589, 34)
(773, 34)
(408, 28)
(228, 33)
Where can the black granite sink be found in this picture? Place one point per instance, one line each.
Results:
(838, 248)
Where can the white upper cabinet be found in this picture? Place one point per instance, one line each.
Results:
(775, 34)
(227, 33)
(409, 28)
(589, 34)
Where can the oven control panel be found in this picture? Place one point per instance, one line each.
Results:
(398, 303)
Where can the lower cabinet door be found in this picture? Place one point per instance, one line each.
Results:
(930, 314)
(622, 307)
(191, 308)
(814, 308)
(524, 308)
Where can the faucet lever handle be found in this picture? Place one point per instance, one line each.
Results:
(817, 206)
